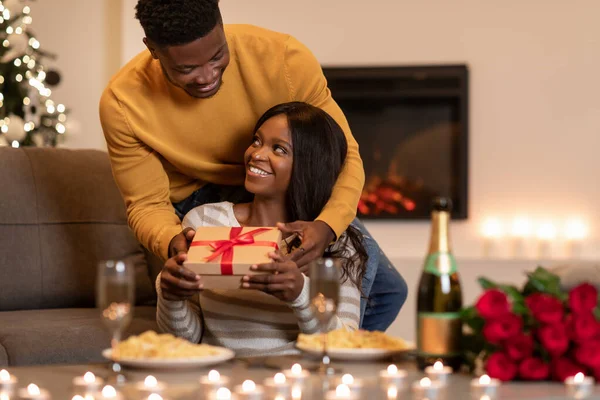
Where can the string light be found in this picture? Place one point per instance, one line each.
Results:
(26, 10)
(27, 20)
(31, 64)
(26, 101)
(50, 109)
(19, 30)
(1, 79)
(15, 144)
(6, 13)
(19, 77)
(62, 117)
(17, 62)
(4, 128)
(9, 30)
(60, 108)
(6, 43)
(60, 128)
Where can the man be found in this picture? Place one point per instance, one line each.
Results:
(178, 117)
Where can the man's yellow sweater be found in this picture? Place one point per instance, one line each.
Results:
(164, 144)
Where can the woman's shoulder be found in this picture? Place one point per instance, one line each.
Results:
(212, 214)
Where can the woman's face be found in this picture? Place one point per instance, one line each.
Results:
(269, 159)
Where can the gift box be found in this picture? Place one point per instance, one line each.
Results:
(222, 255)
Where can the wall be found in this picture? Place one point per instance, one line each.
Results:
(535, 112)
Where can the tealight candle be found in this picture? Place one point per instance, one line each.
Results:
(248, 390)
(8, 382)
(579, 386)
(355, 385)
(296, 375)
(341, 392)
(392, 377)
(154, 396)
(296, 392)
(277, 385)
(110, 393)
(438, 372)
(426, 389)
(88, 383)
(150, 385)
(484, 386)
(33, 392)
(222, 394)
(392, 393)
(213, 381)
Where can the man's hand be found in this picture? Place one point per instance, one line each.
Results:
(181, 242)
(176, 281)
(282, 279)
(315, 237)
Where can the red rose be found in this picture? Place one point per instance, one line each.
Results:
(492, 304)
(582, 327)
(554, 338)
(583, 298)
(500, 366)
(506, 327)
(519, 347)
(562, 368)
(534, 369)
(545, 308)
(588, 354)
(596, 373)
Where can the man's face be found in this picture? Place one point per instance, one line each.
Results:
(196, 67)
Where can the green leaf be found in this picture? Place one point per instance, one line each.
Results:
(512, 292)
(486, 284)
(471, 318)
(520, 308)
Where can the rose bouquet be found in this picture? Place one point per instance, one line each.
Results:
(537, 333)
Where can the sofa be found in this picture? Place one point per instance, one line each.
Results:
(60, 214)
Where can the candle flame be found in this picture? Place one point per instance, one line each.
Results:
(150, 381)
(296, 392)
(89, 397)
(438, 366)
(33, 389)
(521, 227)
(392, 392)
(492, 228)
(214, 376)
(347, 379)
(546, 231)
(155, 396)
(4, 396)
(342, 391)
(296, 369)
(575, 229)
(279, 397)
(109, 392)
(89, 377)
(279, 378)
(425, 382)
(484, 380)
(392, 369)
(77, 397)
(248, 386)
(485, 397)
(223, 394)
(4, 375)
(578, 377)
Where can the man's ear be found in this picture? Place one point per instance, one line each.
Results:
(151, 48)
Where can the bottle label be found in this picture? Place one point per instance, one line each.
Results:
(439, 334)
(440, 264)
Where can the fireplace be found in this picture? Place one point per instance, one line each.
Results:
(411, 124)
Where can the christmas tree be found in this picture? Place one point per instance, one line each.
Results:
(28, 116)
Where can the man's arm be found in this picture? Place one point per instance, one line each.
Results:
(141, 178)
(307, 83)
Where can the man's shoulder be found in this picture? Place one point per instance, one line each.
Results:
(136, 73)
(252, 36)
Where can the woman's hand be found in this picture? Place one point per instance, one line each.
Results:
(315, 236)
(178, 282)
(281, 278)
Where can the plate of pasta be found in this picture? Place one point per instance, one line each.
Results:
(357, 345)
(157, 351)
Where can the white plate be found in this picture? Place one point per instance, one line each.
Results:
(357, 354)
(170, 363)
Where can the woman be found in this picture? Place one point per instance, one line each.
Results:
(292, 164)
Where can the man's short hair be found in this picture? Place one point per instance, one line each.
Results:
(177, 22)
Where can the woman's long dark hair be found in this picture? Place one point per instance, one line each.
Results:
(319, 152)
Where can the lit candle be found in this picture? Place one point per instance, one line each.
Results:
(392, 393)
(355, 385)
(150, 385)
(154, 396)
(426, 389)
(484, 386)
(492, 231)
(213, 381)
(8, 382)
(110, 393)
(579, 386)
(33, 392)
(296, 375)
(341, 392)
(296, 392)
(222, 394)
(278, 385)
(392, 377)
(438, 372)
(546, 233)
(248, 390)
(88, 383)
(520, 231)
(575, 232)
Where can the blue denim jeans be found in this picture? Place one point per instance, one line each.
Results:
(384, 288)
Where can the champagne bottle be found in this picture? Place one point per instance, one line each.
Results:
(439, 328)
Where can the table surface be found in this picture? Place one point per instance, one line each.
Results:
(183, 384)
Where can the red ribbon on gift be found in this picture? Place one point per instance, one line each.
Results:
(225, 247)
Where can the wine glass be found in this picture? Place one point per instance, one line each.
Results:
(324, 295)
(115, 289)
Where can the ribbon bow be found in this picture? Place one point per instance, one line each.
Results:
(224, 248)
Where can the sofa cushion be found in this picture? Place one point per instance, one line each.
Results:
(61, 336)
